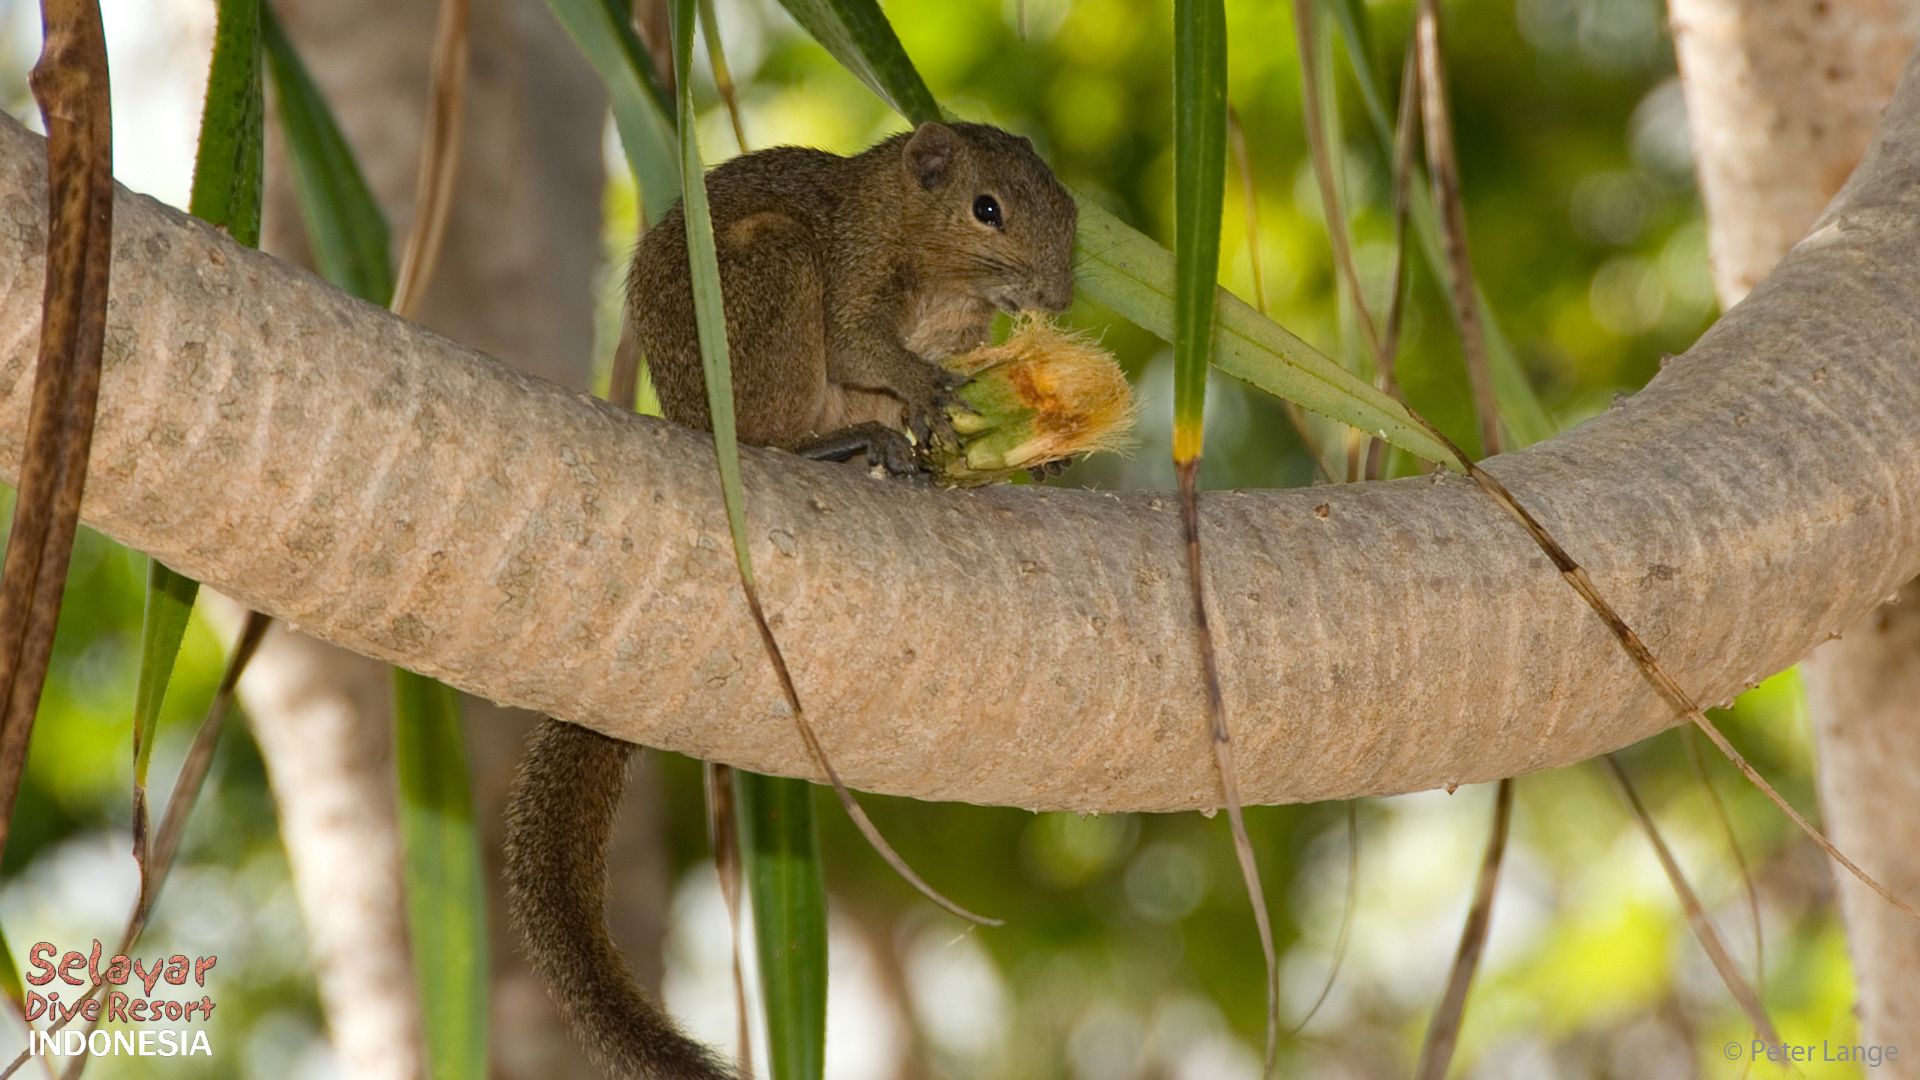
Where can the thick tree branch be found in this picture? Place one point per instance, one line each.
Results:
(332, 465)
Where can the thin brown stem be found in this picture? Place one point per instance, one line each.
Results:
(1443, 1033)
(1443, 170)
(1188, 472)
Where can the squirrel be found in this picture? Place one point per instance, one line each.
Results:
(845, 281)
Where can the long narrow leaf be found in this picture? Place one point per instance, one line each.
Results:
(227, 180)
(446, 895)
(858, 35)
(348, 234)
(164, 626)
(1130, 273)
(229, 164)
(782, 914)
(642, 110)
(1199, 185)
(781, 852)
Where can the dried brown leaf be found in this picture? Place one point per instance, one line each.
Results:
(71, 84)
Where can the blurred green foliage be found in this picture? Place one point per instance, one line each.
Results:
(1129, 951)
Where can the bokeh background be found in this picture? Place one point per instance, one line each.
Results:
(1129, 950)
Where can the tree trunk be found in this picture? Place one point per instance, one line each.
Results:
(1781, 100)
(515, 278)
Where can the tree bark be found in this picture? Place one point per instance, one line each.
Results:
(415, 501)
(1781, 100)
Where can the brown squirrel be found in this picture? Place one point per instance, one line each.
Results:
(846, 280)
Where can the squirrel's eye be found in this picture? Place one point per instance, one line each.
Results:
(986, 210)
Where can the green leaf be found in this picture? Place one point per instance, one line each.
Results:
(858, 35)
(781, 851)
(169, 606)
(1521, 410)
(1199, 188)
(642, 111)
(781, 855)
(446, 898)
(708, 309)
(343, 221)
(1122, 268)
(1130, 273)
(228, 166)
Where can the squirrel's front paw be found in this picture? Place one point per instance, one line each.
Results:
(927, 418)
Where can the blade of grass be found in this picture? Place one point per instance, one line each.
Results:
(1703, 927)
(642, 108)
(70, 84)
(1656, 674)
(1443, 1032)
(226, 192)
(782, 860)
(1199, 185)
(779, 914)
(446, 895)
(1387, 377)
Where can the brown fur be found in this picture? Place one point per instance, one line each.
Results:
(844, 279)
(853, 274)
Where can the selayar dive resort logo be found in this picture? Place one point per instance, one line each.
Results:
(71, 992)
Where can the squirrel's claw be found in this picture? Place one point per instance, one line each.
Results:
(879, 444)
(1047, 469)
(930, 422)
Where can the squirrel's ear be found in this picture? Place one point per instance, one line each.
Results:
(930, 154)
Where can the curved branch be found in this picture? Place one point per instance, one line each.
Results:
(332, 465)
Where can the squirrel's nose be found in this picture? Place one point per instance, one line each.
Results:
(1055, 295)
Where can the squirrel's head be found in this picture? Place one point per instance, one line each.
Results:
(986, 211)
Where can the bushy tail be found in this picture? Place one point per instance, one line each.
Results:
(558, 823)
